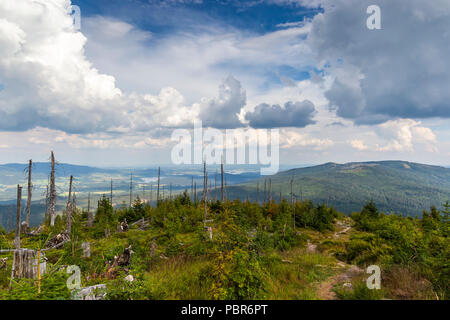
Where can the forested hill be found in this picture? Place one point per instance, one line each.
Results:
(395, 186)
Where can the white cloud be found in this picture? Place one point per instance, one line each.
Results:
(359, 145)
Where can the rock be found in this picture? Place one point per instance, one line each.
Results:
(311, 248)
(348, 285)
(129, 278)
(97, 292)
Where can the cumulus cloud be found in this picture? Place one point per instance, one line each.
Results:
(293, 114)
(402, 135)
(222, 113)
(292, 139)
(400, 71)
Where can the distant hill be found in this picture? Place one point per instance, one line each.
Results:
(396, 186)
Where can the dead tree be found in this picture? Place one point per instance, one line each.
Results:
(131, 190)
(292, 200)
(111, 195)
(52, 197)
(257, 192)
(205, 190)
(192, 188)
(270, 190)
(10, 219)
(151, 194)
(159, 181)
(46, 206)
(222, 193)
(215, 186)
(69, 208)
(19, 209)
(195, 192)
(281, 199)
(29, 194)
(265, 191)
(90, 215)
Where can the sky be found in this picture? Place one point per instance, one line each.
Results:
(112, 92)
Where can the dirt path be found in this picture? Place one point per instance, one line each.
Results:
(325, 289)
(348, 272)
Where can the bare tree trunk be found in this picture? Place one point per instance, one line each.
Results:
(280, 196)
(52, 198)
(205, 190)
(46, 206)
(69, 208)
(215, 186)
(192, 189)
(265, 191)
(292, 194)
(159, 181)
(270, 190)
(151, 194)
(27, 220)
(131, 190)
(257, 192)
(19, 209)
(195, 192)
(10, 219)
(222, 194)
(90, 217)
(111, 192)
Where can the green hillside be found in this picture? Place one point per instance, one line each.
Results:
(395, 186)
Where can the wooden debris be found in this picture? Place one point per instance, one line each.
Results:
(123, 227)
(119, 261)
(58, 240)
(97, 292)
(3, 263)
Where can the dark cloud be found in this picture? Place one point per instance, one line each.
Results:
(400, 71)
(294, 114)
(222, 113)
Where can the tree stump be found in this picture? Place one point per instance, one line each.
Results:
(25, 264)
(24, 229)
(86, 246)
(153, 248)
